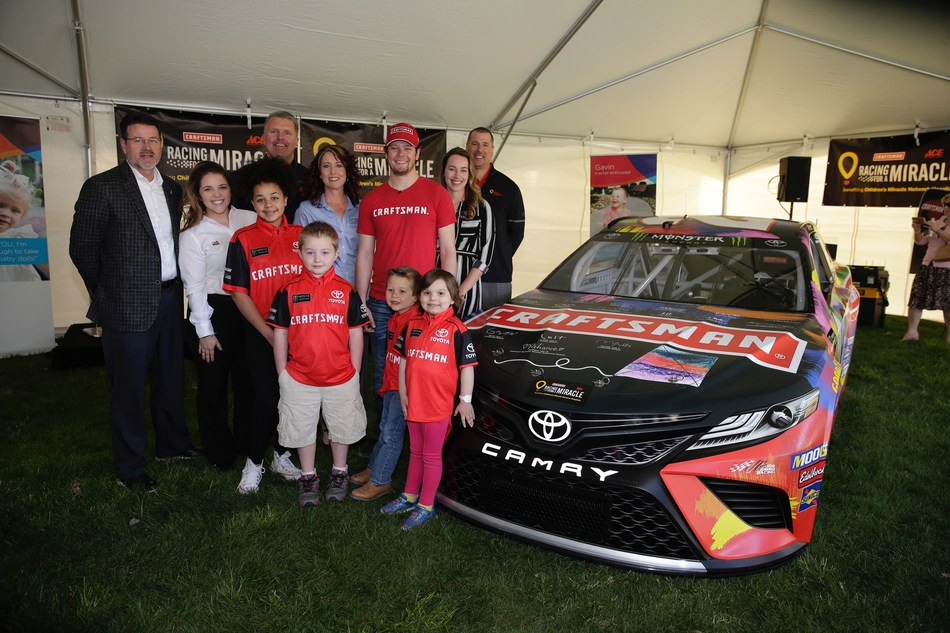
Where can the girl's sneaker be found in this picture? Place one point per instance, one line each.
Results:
(419, 516)
(398, 505)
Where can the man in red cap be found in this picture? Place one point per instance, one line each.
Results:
(406, 221)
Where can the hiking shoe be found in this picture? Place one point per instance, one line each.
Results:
(308, 491)
(398, 505)
(361, 477)
(283, 466)
(419, 516)
(339, 484)
(370, 491)
(250, 478)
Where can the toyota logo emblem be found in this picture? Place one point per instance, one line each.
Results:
(442, 333)
(549, 426)
(337, 294)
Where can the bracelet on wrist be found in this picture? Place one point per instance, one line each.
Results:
(466, 399)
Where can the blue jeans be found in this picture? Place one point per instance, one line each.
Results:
(392, 429)
(377, 339)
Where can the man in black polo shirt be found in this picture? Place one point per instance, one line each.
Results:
(280, 141)
(507, 206)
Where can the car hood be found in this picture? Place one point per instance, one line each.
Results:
(607, 354)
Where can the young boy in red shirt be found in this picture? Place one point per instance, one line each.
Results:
(318, 347)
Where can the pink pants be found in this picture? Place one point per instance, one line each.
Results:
(426, 440)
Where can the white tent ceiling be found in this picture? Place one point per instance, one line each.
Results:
(728, 73)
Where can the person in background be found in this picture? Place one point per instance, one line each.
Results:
(474, 228)
(402, 297)
(281, 136)
(333, 196)
(437, 361)
(209, 222)
(931, 287)
(131, 213)
(318, 347)
(406, 221)
(262, 258)
(507, 207)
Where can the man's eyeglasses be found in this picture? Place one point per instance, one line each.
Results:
(138, 140)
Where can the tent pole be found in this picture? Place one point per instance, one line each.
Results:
(747, 78)
(547, 60)
(83, 85)
(512, 126)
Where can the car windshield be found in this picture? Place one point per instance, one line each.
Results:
(755, 273)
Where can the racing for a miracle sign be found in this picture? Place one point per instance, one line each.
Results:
(889, 171)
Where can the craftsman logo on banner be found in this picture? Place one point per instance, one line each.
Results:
(890, 171)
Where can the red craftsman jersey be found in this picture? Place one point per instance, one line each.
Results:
(318, 313)
(391, 370)
(262, 258)
(406, 225)
(434, 348)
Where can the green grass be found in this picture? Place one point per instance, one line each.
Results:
(79, 553)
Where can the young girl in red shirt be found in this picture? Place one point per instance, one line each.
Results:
(437, 357)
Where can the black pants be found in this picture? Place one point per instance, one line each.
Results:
(221, 442)
(263, 371)
(132, 358)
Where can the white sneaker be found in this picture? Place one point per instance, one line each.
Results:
(250, 478)
(283, 466)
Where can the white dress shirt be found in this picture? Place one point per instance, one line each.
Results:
(158, 213)
(202, 253)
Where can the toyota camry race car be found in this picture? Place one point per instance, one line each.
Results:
(664, 399)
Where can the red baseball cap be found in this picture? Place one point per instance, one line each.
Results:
(402, 132)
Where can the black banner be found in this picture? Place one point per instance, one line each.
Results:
(366, 143)
(191, 137)
(889, 171)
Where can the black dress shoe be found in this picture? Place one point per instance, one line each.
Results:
(144, 481)
(191, 453)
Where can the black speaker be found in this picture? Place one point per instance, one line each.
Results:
(793, 172)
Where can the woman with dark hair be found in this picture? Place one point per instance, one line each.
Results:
(474, 228)
(333, 197)
(209, 221)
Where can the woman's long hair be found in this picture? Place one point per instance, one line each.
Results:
(195, 209)
(473, 193)
(314, 184)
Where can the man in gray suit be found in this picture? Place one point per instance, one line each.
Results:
(124, 242)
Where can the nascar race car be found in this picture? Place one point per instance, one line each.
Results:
(664, 400)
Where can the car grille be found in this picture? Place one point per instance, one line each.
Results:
(639, 454)
(618, 517)
(759, 506)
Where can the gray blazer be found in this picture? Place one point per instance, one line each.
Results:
(113, 245)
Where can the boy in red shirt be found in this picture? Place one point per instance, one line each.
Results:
(402, 297)
(318, 347)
